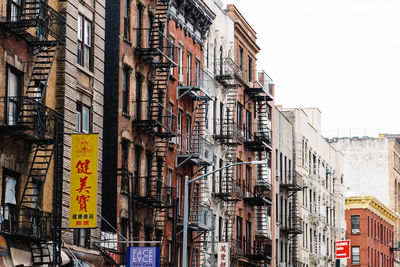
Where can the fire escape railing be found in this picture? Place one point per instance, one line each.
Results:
(28, 117)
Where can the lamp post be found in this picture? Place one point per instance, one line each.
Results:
(186, 202)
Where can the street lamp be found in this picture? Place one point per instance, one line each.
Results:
(186, 201)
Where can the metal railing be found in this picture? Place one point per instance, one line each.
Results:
(197, 77)
(145, 44)
(28, 116)
(40, 15)
(228, 129)
(265, 81)
(29, 222)
(257, 132)
(162, 116)
(252, 247)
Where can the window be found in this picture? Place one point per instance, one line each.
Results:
(197, 74)
(136, 170)
(180, 62)
(139, 82)
(250, 70)
(355, 255)
(188, 132)
(179, 194)
(189, 66)
(15, 10)
(240, 58)
(139, 19)
(150, 89)
(169, 251)
(82, 118)
(239, 231)
(13, 91)
(239, 116)
(215, 57)
(9, 200)
(179, 130)
(81, 237)
(125, 91)
(170, 115)
(169, 187)
(84, 42)
(127, 23)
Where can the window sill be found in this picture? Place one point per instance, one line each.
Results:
(85, 70)
(126, 115)
(127, 41)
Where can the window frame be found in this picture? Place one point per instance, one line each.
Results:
(80, 108)
(85, 42)
(354, 255)
(354, 225)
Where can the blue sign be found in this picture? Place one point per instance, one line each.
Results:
(143, 257)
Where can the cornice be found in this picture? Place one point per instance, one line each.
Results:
(372, 204)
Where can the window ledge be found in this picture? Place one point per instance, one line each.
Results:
(126, 115)
(127, 41)
(85, 70)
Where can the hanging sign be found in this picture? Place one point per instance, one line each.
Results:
(83, 186)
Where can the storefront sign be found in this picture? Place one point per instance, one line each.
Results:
(143, 257)
(83, 190)
(343, 249)
(223, 255)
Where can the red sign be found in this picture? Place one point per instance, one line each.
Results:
(343, 249)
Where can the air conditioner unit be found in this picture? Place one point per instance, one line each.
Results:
(305, 184)
(355, 231)
(278, 175)
(247, 195)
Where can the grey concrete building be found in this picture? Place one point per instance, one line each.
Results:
(320, 168)
(287, 222)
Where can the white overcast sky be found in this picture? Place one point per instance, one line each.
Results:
(342, 56)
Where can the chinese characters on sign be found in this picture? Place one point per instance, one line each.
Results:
(83, 191)
(223, 255)
(143, 257)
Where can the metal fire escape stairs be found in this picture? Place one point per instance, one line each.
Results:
(196, 155)
(228, 138)
(41, 26)
(157, 124)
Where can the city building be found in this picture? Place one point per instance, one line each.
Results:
(370, 228)
(52, 67)
(365, 159)
(287, 221)
(320, 168)
(241, 127)
(155, 117)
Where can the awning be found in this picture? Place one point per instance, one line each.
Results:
(85, 259)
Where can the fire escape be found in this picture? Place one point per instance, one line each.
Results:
(154, 47)
(258, 138)
(229, 135)
(194, 149)
(29, 118)
(292, 185)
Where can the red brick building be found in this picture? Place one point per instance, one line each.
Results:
(156, 99)
(370, 226)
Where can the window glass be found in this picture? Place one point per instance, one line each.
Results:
(355, 255)
(85, 120)
(79, 30)
(355, 224)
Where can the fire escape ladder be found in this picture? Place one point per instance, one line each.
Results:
(159, 21)
(44, 59)
(200, 120)
(196, 219)
(296, 223)
(41, 253)
(33, 190)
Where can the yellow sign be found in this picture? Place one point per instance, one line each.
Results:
(83, 191)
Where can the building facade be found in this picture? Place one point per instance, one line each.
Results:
(155, 123)
(367, 158)
(287, 221)
(320, 168)
(370, 228)
(52, 70)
